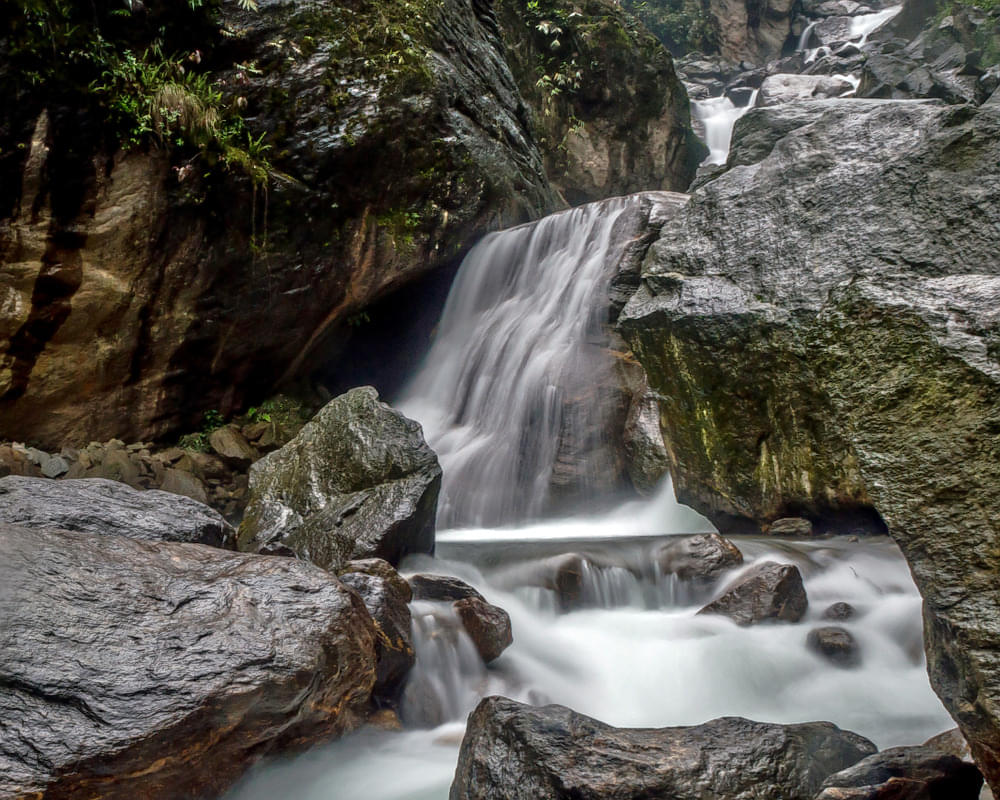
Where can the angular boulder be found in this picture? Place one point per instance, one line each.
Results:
(440, 588)
(160, 670)
(99, 506)
(769, 592)
(905, 773)
(359, 481)
(512, 751)
(843, 274)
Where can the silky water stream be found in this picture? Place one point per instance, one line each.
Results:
(630, 650)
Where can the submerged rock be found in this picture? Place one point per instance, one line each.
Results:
(905, 773)
(698, 558)
(159, 670)
(359, 481)
(513, 751)
(767, 592)
(835, 644)
(99, 506)
(840, 612)
(842, 273)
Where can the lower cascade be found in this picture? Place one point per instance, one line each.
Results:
(604, 619)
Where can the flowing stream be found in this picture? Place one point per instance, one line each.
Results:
(627, 648)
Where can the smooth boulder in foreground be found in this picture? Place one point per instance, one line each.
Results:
(159, 671)
(359, 481)
(513, 751)
(100, 506)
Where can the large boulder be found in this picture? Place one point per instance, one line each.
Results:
(98, 506)
(160, 670)
(821, 322)
(359, 481)
(610, 115)
(750, 30)
(513, 751)
(777, 89)
(768, 592)
(185, 288)
(905, 773)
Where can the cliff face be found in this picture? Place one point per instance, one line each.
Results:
(821, 324)
(182, 288)
(610, 115)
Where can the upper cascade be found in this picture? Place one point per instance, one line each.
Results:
(512, 369)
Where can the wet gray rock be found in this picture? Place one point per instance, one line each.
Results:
(487, 625)
(840, 612)
(905, 773)
(835, 644)
(778, 89)
(513, 751)
(359, 481)
(769, 592)
(842, 272)
(232, 446)
(160, 670)
(386, 596)
(98, 506)
(700, 558)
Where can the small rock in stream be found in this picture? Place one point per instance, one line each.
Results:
(767, 592)
(835, 644)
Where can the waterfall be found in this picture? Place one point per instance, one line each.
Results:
(717, 117)
(513, 366)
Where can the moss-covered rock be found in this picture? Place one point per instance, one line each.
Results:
(610, 115)
(821, 322)
(357, 482)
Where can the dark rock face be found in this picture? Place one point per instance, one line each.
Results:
(396, 148)
(440, 588)
(835, 644)
(160, 670)
(820, 321)
(386, 596)
(357, 482)
(610, 115)
(751, 31)
(769, 592)
(698, 558)
(905, 773)
(98, 506)
(516, 752)
(487, 625)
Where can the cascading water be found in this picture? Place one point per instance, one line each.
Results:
(626, 645)
(717, 117)
(861, 27)
(519, 339)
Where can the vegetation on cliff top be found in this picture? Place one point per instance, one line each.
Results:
(143, 70)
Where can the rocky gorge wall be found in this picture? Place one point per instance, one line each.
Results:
(182, 287)
(820, 324)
